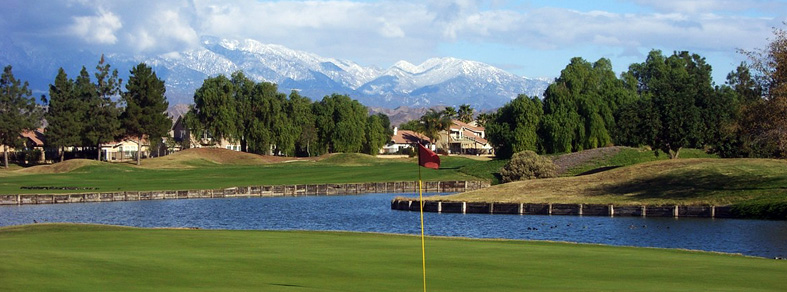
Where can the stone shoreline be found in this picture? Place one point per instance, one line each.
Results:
(246, 192)
(676, 211)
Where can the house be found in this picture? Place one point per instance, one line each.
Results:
(403, 139)
(183, 138)
(124, 149)
(35, 141)
(464, 138)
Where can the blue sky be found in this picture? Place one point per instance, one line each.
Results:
(528, 38)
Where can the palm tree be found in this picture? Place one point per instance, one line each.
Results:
(449, 112)
(432, 122)
(465, 113)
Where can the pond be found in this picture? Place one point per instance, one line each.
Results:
(372, 213)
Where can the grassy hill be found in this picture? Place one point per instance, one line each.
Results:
(62, 257)
(746, 183)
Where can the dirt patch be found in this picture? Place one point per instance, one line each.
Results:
(567, 161)
(218, 156)
(60, 167)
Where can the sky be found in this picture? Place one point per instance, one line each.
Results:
(527, 38)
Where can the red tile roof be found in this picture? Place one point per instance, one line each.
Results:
(36, 136)
(408, 137)
(457, 124)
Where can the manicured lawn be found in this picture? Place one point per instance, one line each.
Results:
(60, 257)
(199, 174)
(630, 156)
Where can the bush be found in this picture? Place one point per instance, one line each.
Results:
(528, 165)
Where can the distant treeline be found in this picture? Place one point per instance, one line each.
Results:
(266, 121)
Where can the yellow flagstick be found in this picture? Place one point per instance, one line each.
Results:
(421, 202)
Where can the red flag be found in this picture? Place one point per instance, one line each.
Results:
(427, 158)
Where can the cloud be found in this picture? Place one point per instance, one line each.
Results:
(382, 32)
(98, 29)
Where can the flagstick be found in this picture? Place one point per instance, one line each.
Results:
(421, 201)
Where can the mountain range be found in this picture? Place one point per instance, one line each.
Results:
(435, 82)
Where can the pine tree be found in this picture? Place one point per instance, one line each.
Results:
(18, 111)
(102, 123)
(65, 114)
(146, 106)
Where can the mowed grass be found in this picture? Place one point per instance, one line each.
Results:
(682, 181)
(201, 173)
(60, 257)
(629, 156)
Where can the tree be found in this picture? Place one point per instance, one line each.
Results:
(215, 109)
(513, 127)
(432, 123)
(65, 114)
(341, 124)
(684, 106)
(376, 135)
(450, 112)
(465, 113)
(146, 106)
(765, 121)
(299, 108)
(411, 125)
(243, 89)
(18, 111)
(102, 117)
(579, 106)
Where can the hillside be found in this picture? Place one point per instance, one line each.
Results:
(682, 181)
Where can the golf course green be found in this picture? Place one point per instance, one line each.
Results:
(67, 257)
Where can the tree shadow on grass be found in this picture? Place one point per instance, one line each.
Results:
(690, 184)
(597, 170)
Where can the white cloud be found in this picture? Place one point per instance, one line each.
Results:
(98, 29)
(382, 32)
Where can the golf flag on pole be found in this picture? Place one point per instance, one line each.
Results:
(427, 158)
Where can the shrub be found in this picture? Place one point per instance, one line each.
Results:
(528, 165)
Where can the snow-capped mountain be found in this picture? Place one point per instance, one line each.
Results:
(437, 81)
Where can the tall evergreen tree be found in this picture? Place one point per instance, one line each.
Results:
(102, 117)
(18, 111)
(146, 106)
(65, 114)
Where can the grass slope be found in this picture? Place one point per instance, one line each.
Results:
(189, 171)
(683, 181)
(60, 257)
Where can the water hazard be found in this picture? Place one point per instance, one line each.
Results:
(372, 213)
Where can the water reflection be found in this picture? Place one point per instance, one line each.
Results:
(371, 213)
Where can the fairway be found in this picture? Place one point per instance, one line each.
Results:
(184, 171)
(99, 258)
